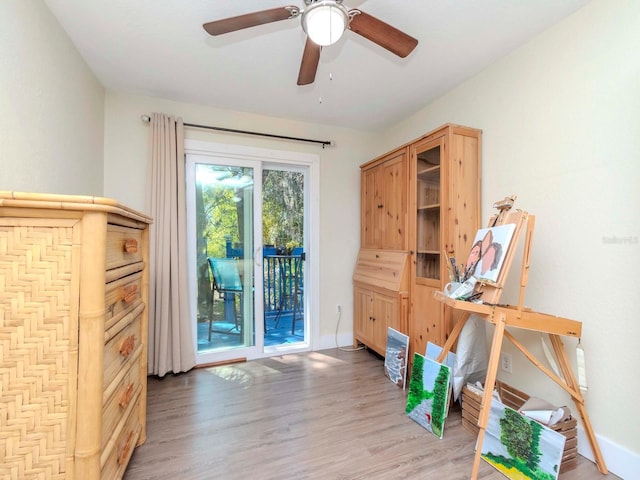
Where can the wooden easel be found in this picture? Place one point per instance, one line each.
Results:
(502, 316)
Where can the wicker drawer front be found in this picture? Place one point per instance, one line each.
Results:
(122, 297)
(121, 400)
(116, 456)
(124, 246)
(121, 350)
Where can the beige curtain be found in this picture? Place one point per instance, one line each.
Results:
(170, 326)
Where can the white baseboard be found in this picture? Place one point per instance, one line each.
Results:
(619, 461)
(329, 341)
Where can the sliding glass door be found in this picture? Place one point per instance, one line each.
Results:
(223, 207)
(247, 229)
(283, 255)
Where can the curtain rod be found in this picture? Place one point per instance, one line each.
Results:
(324, 143)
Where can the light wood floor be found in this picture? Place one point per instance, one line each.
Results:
(322, 415)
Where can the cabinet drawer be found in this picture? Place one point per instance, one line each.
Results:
(118, 452)
(125, 394)
(124, 246)
(122, 296)
(121, 350)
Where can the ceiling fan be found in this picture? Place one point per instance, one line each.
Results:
(324, 22)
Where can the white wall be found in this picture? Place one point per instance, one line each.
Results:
(51, 126)
(561, 123)
(126, 144)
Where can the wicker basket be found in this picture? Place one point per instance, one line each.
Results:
(514, 398)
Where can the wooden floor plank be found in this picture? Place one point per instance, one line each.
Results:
(317, 415)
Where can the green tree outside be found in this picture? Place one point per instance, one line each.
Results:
(282, 208)
(220, 209)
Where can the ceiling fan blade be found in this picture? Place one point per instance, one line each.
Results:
(248, 20)
(382, 33)
(309, 64)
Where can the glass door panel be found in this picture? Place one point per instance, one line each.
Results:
(224, 198)
(284, 255)
(428, 248)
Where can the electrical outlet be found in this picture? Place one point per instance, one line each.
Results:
(338, 308)
(506, 362)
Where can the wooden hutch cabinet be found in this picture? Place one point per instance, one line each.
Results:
(73, 336)
(421, 199)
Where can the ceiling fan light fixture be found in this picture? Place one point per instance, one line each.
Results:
(325, 21)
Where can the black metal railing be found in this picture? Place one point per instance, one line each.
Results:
(283, 284)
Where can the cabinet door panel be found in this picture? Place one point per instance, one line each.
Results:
(384, 202)
(371, 208)
(430, 203)
(363, 313)
(394, 175)
(426, 325)
(385, 315)
(464, 200)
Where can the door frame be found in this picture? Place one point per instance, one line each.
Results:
(265, 158)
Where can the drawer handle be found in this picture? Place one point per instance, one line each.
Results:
(125, 398)
(124, 451)
(129, 293)
(131, 245)
(127, 346)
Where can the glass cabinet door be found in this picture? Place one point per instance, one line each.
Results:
(428, 201)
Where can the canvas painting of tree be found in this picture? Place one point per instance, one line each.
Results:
(519, 447)
(428, 398)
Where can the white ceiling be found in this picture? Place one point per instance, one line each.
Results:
(159, 48)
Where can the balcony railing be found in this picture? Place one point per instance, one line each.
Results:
(283, 284)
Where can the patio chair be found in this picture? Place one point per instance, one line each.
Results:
(226, 281)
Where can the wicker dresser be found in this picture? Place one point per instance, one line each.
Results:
(73, 333)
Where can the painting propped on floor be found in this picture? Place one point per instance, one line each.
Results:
(428, 398)
(433, 351)
(519, 447)
(395, 359)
